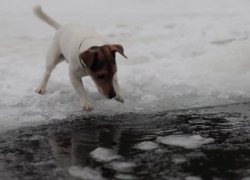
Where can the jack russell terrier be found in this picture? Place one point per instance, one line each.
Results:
(87, 53)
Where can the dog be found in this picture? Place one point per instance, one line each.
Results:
(87, 53)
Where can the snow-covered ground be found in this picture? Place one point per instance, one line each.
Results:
(182, 54)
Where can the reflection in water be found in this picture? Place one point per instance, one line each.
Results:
(75, 150)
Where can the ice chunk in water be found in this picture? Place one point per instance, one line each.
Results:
(193, 178)
(104, 155)
(146, 145)
(84, 173)
(186, 141)
(125, 177)
(124, 167)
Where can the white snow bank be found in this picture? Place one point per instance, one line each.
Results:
(182, 54)
(186, 141)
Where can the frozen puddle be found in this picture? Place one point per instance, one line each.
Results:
(186, 141)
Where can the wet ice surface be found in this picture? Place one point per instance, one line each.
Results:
(103, 147)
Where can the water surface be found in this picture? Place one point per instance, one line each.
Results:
(207, 143)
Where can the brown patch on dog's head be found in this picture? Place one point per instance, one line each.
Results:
(101, 65)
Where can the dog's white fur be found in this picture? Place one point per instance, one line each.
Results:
(69, 41)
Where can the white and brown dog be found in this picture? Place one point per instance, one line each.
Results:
(87, 53)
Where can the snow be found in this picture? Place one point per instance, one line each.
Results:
(182, 54)
(186, 141)
(104, 154)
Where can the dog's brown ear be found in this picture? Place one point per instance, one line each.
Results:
(88, 57)
(117, 48)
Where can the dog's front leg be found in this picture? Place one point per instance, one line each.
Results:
(78, 86)
(119, 96)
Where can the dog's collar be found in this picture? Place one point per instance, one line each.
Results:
(83, 65)
(81, 61)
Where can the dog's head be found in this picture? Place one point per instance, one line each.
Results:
(101, 65)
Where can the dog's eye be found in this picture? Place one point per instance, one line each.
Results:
(101, 76)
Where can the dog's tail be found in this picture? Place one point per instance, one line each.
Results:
(44, 17)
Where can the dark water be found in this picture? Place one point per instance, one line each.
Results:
(61, 149)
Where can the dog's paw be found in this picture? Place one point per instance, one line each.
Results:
(40, 90)
(87, 107)
(119, 98)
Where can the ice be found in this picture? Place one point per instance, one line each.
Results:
(125, 177)
(104, 155)
(124, 167)
(246, 178)
(182, 54)
(146, 145)
(186, 141)
(84, 173)
(178, 160)
(42, 163)
(193, 178)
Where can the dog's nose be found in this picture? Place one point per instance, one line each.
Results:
(112, 95)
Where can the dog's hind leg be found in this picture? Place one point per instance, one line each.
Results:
(53, 58)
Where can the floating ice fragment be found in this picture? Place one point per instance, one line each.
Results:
(246, 178)
(125, 176)
(84, 173)
(179, 160)
(185, 141)
(104, 155)
(192, 178)
(124, 167)
(146, 145)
